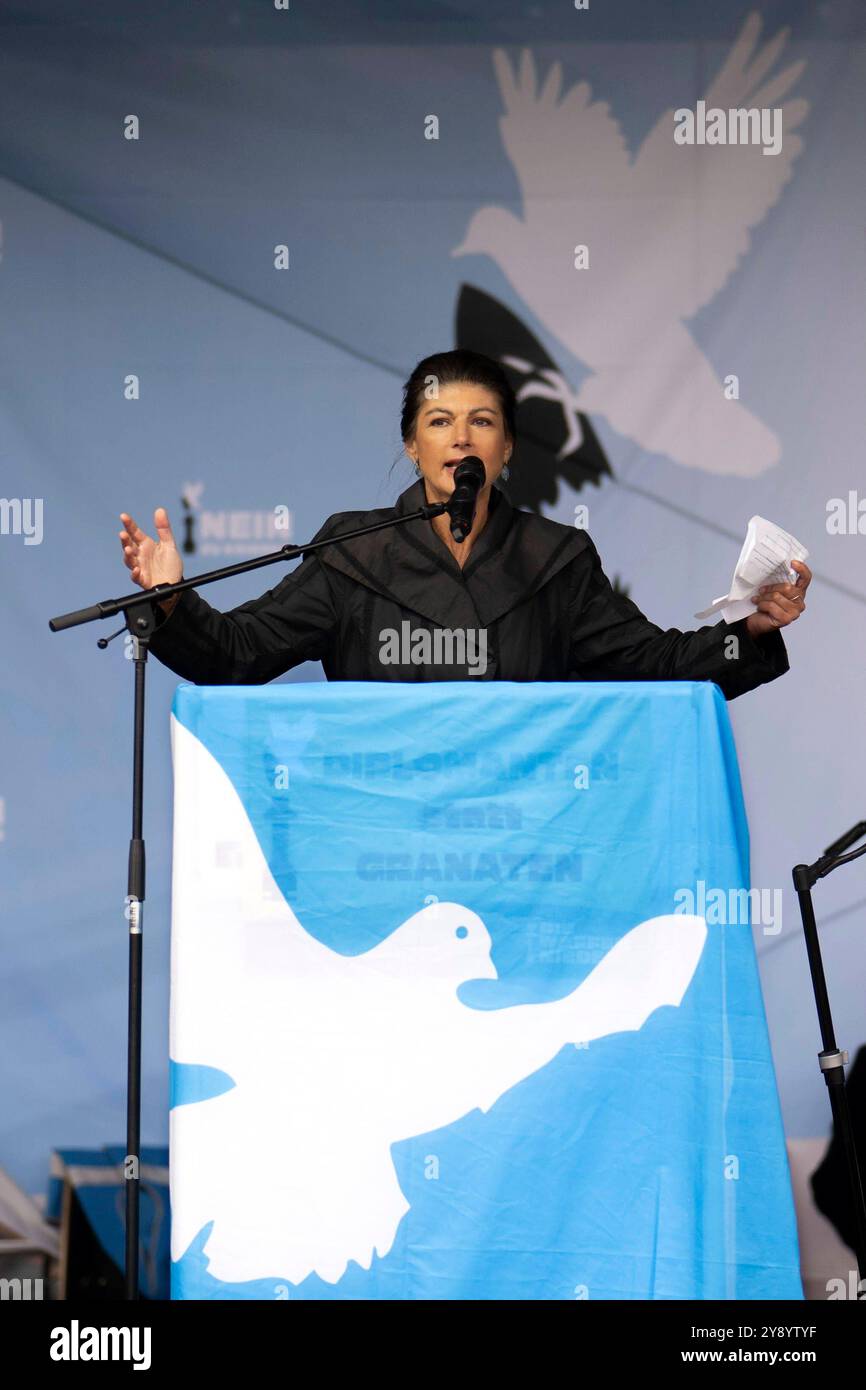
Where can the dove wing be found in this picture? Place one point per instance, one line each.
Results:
(235, 939)
(571, 146)
(722, 191)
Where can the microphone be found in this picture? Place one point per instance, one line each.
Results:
(469, 478)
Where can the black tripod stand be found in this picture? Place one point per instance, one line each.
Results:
(139, 611)
(831, 1059)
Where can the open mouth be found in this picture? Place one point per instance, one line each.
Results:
(451, 464)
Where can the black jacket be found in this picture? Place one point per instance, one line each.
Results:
(532, 603)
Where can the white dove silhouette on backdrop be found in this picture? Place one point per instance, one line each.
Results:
(335, 1058)
(664, 232)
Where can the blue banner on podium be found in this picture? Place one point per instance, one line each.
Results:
(465, 1002)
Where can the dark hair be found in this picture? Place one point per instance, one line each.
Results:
(449, 367)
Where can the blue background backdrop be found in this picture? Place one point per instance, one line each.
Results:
(260, 388)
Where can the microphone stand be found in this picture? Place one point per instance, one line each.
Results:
(831, 1059)
(139, 612)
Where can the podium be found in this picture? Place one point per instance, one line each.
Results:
(464, 998)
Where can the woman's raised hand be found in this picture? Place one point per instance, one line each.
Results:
(779, 604)
(151, 561)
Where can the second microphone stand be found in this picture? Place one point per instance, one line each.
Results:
(831, 1059)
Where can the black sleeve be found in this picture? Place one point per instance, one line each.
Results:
(255, 642)
(611, 639)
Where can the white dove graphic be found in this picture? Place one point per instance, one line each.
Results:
(336, 1058)
(664, 232)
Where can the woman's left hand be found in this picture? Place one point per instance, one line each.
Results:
(779, 604)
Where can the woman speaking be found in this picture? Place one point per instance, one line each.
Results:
(521, 598)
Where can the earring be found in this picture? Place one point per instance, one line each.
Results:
(418, 468)
(506, 472)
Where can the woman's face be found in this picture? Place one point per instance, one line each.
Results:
(463, 419)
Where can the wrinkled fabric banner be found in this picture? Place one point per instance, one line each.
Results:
(464, 998)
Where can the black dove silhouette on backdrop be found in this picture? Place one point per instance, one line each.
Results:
(557, 442)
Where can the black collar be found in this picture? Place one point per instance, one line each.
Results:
(514, 555)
